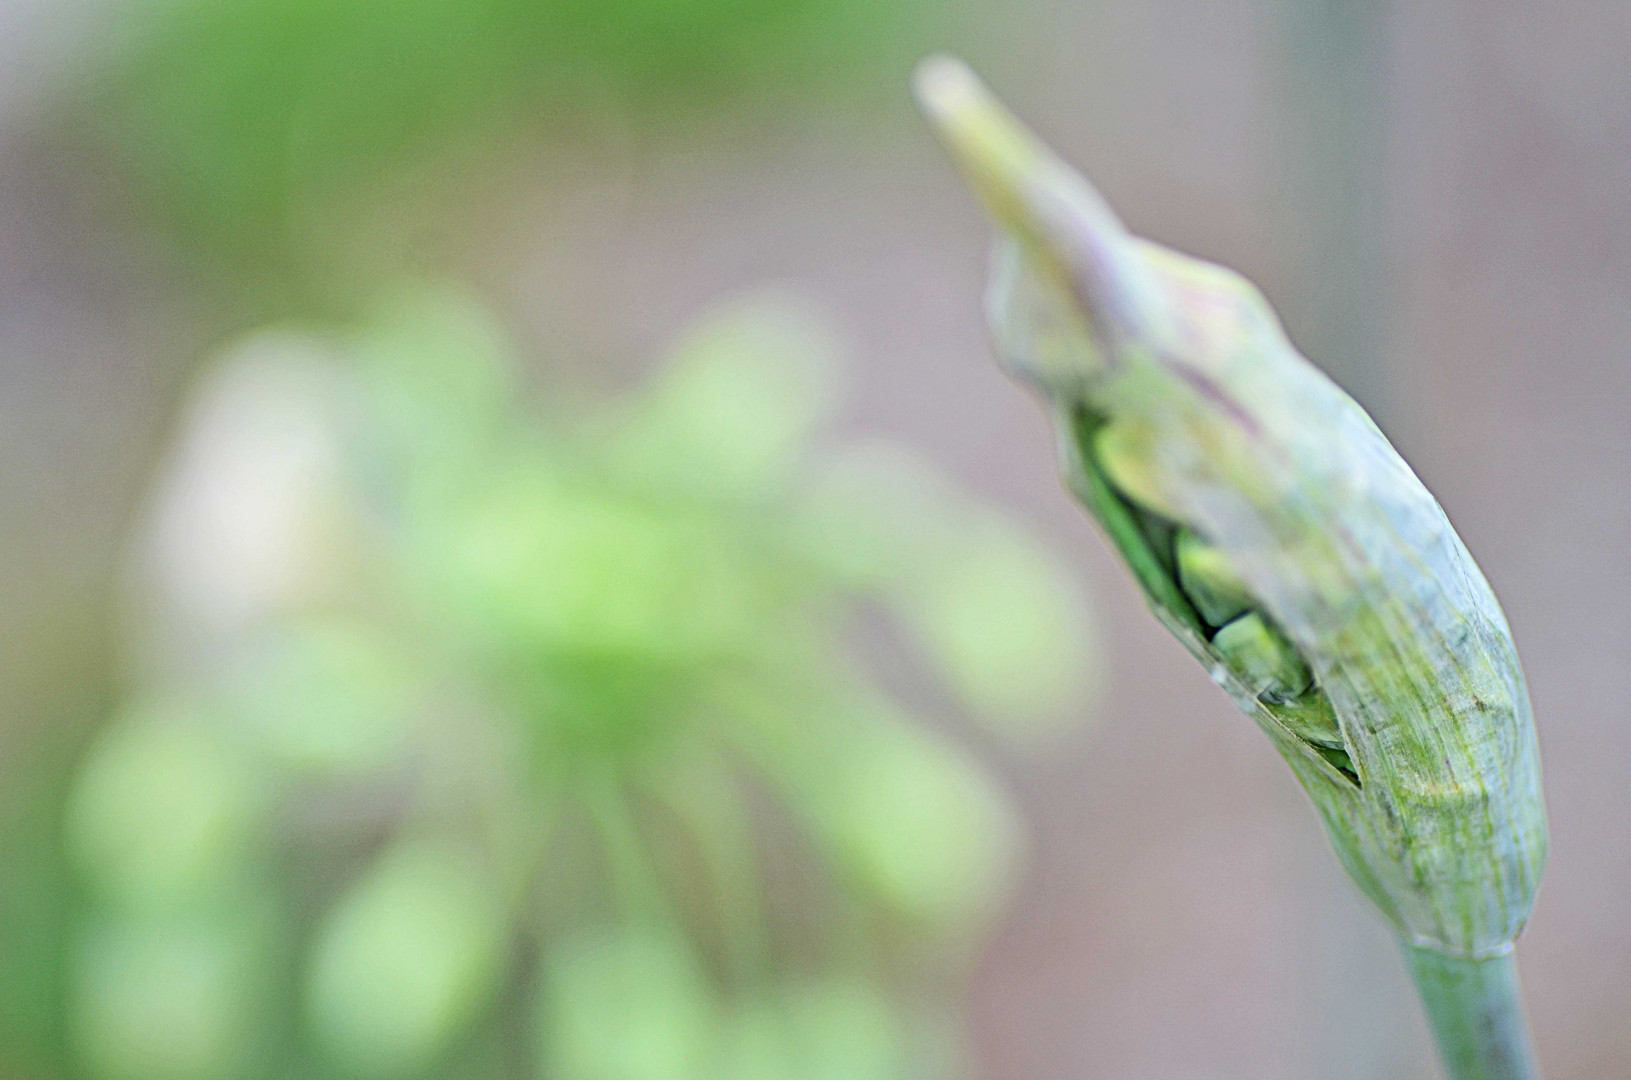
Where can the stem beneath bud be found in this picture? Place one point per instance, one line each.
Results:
(1475, 1009)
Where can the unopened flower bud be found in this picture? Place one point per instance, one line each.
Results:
(1278, 535)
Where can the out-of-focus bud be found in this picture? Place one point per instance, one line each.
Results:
(550, 567)
(630, 1006)
(732, 412)
(409, 957)
(322, 695)
(253, 518)
(171, 997)
(162, 814)
(987, 601)
(921, 826)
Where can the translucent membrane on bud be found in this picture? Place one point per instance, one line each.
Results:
(1262, 658)
(1123, 452)
(1310, 718)
(1208, 579)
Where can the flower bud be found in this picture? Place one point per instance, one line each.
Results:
(1237, 481)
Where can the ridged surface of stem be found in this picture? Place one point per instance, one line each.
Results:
(1475, 1009)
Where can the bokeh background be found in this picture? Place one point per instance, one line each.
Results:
(515, 561)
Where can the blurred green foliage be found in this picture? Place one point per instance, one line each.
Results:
(467, 740)
(256, 127)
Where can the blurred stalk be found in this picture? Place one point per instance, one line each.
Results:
(635, 882)
(708, 803)
(1332, 63)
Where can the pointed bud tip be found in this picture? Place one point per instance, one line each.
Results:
(997, 155)
(1032, 193)
(944, 86)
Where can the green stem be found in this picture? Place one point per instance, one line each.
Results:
(1475, 1009)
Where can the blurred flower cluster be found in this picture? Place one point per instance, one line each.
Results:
(467, 740)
